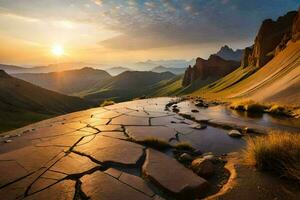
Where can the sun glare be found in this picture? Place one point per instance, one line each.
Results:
(57, 50)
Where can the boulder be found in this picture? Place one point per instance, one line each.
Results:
(185, 157)
(198, 126)
(235, 133)
(204, 167)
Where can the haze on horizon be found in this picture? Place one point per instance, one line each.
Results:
(117, 31)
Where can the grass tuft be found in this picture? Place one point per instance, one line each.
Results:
(280, 110)
(107, 103)
(184, 146)
(155, 143)
(277, 152)
(249, 106)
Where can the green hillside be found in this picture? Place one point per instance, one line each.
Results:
(129, 85)
(22, 103)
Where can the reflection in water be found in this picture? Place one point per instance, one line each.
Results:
(260, 120)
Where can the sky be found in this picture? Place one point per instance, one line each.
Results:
(117, 32)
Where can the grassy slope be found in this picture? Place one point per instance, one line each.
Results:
(129, 85)
(278, 78)
(22, 103)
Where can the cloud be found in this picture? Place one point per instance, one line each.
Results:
(175, 23)
(98, 2)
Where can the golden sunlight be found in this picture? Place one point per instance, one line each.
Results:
(57, 50)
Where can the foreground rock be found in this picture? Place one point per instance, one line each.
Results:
(203, 167)
(172, 176)
(235, 133)
(102, 186)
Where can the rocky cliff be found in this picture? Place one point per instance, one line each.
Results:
(213, 67)
(272, 38)
(228, 53)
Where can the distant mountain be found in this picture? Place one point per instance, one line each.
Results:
(150, 64)
(67, 82)
(160, 69)
(211, 69)
(12, 68)
(117, 70)
(22, 103)
(129, 85)
(228, 53)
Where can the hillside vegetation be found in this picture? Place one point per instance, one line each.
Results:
(22, 103)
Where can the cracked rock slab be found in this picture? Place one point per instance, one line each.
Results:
(105, 187)
(130, 120)
(171, 176)
(64, 190)
(141, 133)
(73, 164)
(110, 150)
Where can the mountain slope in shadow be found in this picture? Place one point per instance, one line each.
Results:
(22, 103)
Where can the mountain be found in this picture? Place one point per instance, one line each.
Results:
(117, 70)
(129, 85)
(272, 38)
(228, 53)
(160, 69)
(67, 82)
(211, 69)
(22, 103)
(12, 68)
(270, 70)
(150, 64)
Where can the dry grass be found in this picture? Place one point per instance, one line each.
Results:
(155, 143)
(280, 110)
(277, 152)
(249, 106)
(107, 103)
(184, 146)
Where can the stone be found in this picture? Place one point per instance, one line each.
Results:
(110, 150)
(185, 157)
(195, 111)
(235, 133)
(173, 177)
(203, 167)
(99, 185)
(198, 126)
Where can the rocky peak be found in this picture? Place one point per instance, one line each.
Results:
(228, 53)
(3, 74)
(212, 68)
(272, 38)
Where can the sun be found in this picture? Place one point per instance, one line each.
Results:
(57, 50)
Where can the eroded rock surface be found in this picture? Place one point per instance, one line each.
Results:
(172, 176)
(95, 154)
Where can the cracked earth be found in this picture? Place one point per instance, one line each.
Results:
(99, 154)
